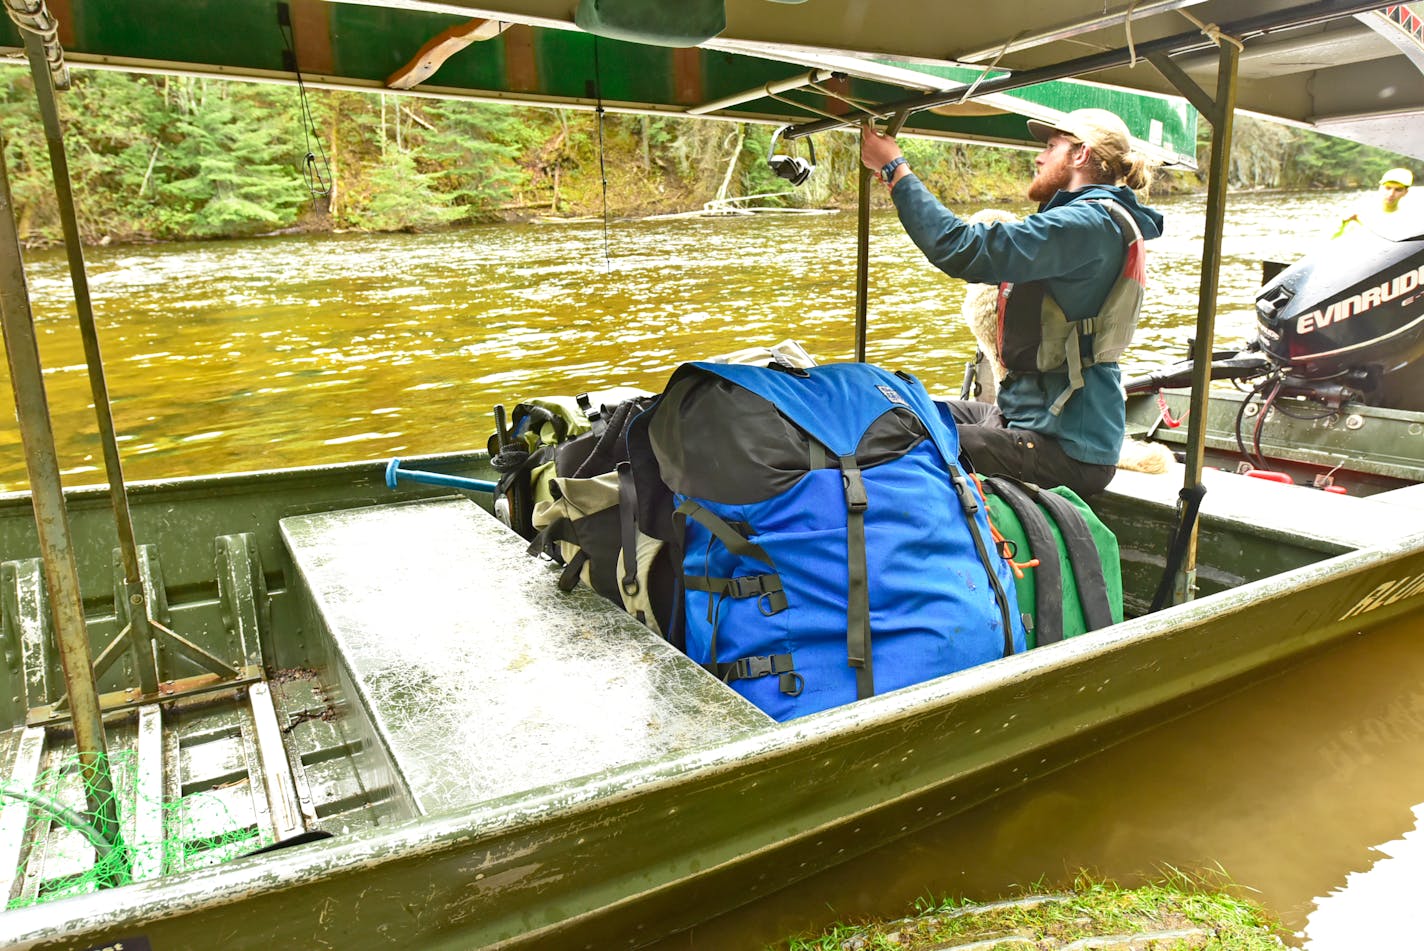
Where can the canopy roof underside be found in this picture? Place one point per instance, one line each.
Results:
(1347, 69)
(1358, 76)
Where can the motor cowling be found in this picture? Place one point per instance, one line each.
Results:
(1351, 314)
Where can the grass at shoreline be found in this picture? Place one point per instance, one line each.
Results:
(1178, 913)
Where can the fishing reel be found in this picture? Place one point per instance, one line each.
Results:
(793, 168)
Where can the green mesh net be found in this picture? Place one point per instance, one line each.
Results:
(65, 850)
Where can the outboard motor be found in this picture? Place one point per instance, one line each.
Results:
(1347, 323)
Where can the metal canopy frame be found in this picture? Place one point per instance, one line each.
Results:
(1179, 578)
(1120, 17)
(143, 633)
(1191, 41)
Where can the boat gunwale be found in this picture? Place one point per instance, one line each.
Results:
(511, 815)
(220, 482)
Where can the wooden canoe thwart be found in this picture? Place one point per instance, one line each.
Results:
(433, 55)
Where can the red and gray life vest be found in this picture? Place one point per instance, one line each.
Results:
(1036, 337)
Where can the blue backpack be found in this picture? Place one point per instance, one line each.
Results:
(830, 547)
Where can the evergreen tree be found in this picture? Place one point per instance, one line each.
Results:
(230, 173)
(401, 198)
(474, 150)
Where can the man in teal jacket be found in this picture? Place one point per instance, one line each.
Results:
(1070, 257)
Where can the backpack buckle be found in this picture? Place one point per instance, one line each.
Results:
(771, 599)
(856, 499)
(752, 668)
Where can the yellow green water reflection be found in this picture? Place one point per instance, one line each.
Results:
(289, 351)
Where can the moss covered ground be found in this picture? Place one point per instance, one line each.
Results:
(1172, 916)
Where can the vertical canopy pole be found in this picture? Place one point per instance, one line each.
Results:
(1221, 117)
(862, 242)
(142, 632)
(862, 259)
(52, 521)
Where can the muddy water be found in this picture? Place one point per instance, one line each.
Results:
(1309, 788)
(1306, 789)
(243, 355)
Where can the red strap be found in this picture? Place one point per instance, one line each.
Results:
(1172, 423)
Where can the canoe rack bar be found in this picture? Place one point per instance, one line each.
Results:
(133, 698)
(176, 666)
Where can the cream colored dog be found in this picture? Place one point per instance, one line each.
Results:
(980, 311)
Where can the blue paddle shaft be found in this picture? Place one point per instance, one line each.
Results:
(395, 473)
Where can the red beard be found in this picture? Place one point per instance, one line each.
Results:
(1047, 182)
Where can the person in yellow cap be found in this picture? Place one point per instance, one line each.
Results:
(1393, 187)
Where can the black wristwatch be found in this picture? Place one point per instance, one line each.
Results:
(889, 170)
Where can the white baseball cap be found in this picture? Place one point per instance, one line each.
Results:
(1095, 127)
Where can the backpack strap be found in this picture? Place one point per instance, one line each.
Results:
(516, 464)
(1084, 556)
(628, 529)
(640, 555)
(596, 423)
(971, 503)
(858, 589)
(766, 588)
(750, 668)
(545, 542)
(1048, 576)
(610, 446)
(1125, 294)
(569, 577)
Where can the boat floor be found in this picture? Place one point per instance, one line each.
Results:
(197, 783)
(427, 613)
(454, 675)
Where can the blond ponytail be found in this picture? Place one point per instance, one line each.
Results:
(1137, 172)
(1114, 167)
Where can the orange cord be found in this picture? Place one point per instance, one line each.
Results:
(1003, 544)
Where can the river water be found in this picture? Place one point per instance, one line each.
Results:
(232, 356)
(1307, 789)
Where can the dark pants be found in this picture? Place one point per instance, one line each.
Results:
(992, 448)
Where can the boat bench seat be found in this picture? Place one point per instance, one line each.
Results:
(478, 677)
(1344, 521)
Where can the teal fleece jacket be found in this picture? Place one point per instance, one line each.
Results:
(1076, 249)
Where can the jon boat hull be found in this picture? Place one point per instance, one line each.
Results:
(1365, 449)
(621, 856)
(625, 856)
